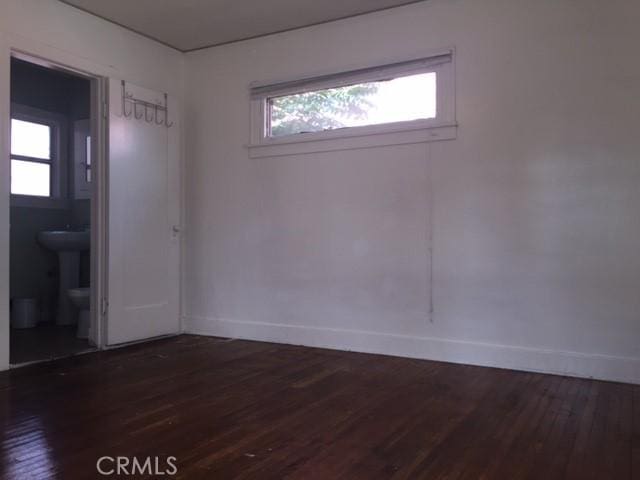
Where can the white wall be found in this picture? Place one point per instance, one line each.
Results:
(55, 31)
(533, 209)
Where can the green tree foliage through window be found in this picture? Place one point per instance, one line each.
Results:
(320, 110)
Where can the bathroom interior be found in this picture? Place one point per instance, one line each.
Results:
(51, 194)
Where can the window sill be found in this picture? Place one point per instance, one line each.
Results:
(28, 201)
(348, 139)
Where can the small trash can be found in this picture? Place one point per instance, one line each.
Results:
(24, 313)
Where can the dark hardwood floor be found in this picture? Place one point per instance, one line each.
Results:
(238, 409)
(45, 342)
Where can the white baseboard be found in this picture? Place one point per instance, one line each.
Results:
(575, 364)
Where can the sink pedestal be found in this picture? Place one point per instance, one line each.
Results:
(68, 245)
(69, 278)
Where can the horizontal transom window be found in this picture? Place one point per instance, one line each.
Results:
(401, 94)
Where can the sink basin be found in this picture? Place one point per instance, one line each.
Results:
(65, 241)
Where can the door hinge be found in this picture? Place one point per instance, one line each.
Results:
(104, 306)
(105, 110)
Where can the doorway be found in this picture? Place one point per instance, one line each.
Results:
(134, 185)
(52, 212)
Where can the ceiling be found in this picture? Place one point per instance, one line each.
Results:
(192, 24)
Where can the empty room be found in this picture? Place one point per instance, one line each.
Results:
(292, 239)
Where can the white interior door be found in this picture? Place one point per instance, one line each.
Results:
(143, 230)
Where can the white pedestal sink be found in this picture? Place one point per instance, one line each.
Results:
(68, 245)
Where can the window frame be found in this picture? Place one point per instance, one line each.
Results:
(442, 127)
(57, 162)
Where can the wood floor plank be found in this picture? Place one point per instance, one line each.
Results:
(250, 410)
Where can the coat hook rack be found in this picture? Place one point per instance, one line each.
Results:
(141, 109)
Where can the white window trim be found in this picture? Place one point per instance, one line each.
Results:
(443, 127)
(59, 184)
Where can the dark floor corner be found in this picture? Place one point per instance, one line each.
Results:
(250, 410)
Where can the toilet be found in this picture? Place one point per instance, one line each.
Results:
(81, 298)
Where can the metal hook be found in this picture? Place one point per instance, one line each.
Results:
(166, 112)
(146, 117)
(124, 102)
(161, 122)
(135, 111)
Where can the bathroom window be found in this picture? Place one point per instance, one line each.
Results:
(405, 96)
(31, 157)
(35, 157)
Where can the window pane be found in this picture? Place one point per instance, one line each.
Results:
(88, 162)
(30, 139)
(88, 148)
(30, 178)
(401, 99)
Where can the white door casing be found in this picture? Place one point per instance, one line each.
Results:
(143, 219)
